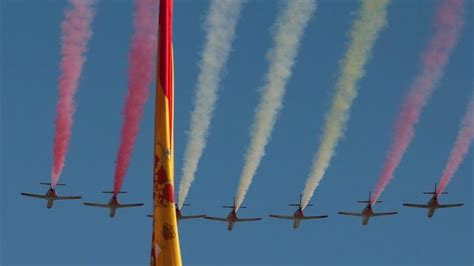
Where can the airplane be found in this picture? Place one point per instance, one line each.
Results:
(367, 211)
(298, 215)
(232, 218)
(180, 216)
(113, 203)
(51, 195)
(433, 203)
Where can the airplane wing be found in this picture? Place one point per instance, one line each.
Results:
(385, 213)
(129, 205)
(248, 219)
(451, 205)
(351, 213)
(192, 217)
(314, 217)
(415, 205)
(96, 205)
(33, 195)
(281, 216)
(215, 219)
(68, 197)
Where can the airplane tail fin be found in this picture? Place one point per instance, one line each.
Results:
(233, 207)
(369, 200)
(299, 204)
(434, 191)
(184, 205)
(49, 184)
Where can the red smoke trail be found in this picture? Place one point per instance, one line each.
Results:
(465, 136)
(140, 76)
(448, 25)
(75, 35)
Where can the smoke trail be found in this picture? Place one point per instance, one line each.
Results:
(75, 35)
(465, 136)
(290, 26)
(371, 19)
(220, 29)
(448, 25)
(140, 76)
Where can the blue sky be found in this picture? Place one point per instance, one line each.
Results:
(71, 234)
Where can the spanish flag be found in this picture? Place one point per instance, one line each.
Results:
(165, 250)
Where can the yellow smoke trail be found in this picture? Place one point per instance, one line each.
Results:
(371, 19)
(290, 26)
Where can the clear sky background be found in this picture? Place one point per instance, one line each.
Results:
(72, 234)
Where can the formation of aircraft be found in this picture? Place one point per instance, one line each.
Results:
(367, 212)
(113, 204)
(232, 218)
(298, 215)
(50, 195)
(180, 216)
(433, 203)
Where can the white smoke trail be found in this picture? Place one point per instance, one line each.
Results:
(290, 26)
(220, 28)
(371, 19)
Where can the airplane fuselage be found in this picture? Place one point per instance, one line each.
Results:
(366, 214)
(432, 206)
(231, 218)
(179, 214)
(50, 197)
(297, 216)
(113, 203)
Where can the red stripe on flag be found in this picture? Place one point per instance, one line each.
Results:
(165, 55)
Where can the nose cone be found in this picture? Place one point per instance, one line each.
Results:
(112, 213)
(431, 213)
